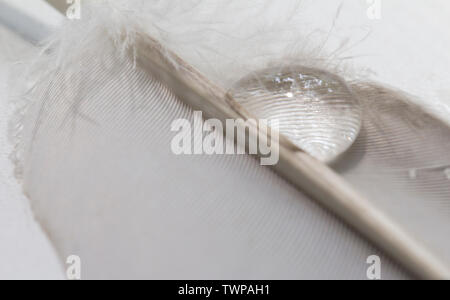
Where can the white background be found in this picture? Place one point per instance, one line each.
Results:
(419, 26)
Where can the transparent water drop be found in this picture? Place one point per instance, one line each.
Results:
(316, 110)
(447, 173)
(413, 174)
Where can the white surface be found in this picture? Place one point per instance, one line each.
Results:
(33, 20)
(408, 48)
(391, 49)
(25, 252)
(37, 9)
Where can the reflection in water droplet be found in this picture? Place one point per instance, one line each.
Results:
(447, 173)
(316, 110)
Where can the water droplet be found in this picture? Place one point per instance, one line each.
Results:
(447, 173)
(316, 110)
(413, 174)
